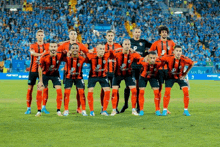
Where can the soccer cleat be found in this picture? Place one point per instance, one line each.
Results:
(105, 113)
(66, 113)
(186, 113)
(124, 108)
(168, 112)
(158, 113)
(59, 113)
(28, 111)
(117, 111)
(134, 112)
(92, 113)
(84, 113)
(45, 111)
(113, 113)
(164, 113)
(101, 110)
(141, 113)
(78, 110)
(38, 114)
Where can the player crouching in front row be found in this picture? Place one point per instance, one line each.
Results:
(49, 65)
(176, 74)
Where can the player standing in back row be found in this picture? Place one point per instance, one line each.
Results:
(163, 46)
(141, 46)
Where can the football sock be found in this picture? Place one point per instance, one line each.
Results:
(39, 99)
(66, 99)
(59, 98)
(126, 95)
(102, 96)
(186, 97)
(166, 98)
(78, 99)
(90, 100)
(82, 98)
(133, 97)
(45, 96)
(114, 98)
(106, 100)
(141, 99)
(29, 97)
(156, 99)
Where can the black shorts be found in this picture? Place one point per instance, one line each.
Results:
(55, 80)
(64, 76)
(170, 82)
(129, 80)
(103, 81)
(33, 76)
(79, 83)
(154, 83)
(136, 73)
(162, 75)
(110, 78)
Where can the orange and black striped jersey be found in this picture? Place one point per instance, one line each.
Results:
(163, 48)
(150, 70)
(50, 64)
(98, 64)
(176, 66)
(35, 59)
(124, 61)
(74, 67)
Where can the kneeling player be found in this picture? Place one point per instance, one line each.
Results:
(149, 73)
(124, 60)
(176, 74)
(74, 65)
(49, 65)
(98, 71)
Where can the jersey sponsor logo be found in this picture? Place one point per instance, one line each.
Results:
(163, 52)
(173, 70)
(78, 64)
(129, 61)
(168, 47)
(155, 69)
(57, 61)
(141, 44)
(51, 67)
(104, 61)
(180, 67)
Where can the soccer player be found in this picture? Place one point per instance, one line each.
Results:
(141, 46)
(98, 73)
(176, 74)
(149, 73)
(64, 48)
(124, 59)
(74, 63)
(110, 47)
(49, 67)
(163, 46)
(36, 50)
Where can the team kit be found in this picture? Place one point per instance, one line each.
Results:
(136, 61)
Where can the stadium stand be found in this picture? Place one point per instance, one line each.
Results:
(197, 30)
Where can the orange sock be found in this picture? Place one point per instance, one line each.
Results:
(106, 100)
(141, 99)
(82, 98)
(39, 99)
(186, 97)
(133, 97)
(90, 100)
(78, 99)
(166, 98)
(102, 95)
(114, 98)
(156, 99)
(45, 96)
(29, 97)
(59, 98)
(66, 99)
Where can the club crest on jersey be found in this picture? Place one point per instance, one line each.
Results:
(141, 44)
(104, 61)
(78, 64)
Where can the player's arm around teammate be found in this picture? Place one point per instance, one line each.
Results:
(98, 73)
(176, 74)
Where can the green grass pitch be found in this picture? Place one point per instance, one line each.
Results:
(200, 129)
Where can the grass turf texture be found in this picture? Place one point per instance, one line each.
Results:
(200, 129)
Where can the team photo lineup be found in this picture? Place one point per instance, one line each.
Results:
(136, 61)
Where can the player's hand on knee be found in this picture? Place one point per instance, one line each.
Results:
(40, 85)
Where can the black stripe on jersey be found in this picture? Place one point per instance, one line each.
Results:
(173, 67)
(162, 45)
(128, 57)
(178, 70)
(71, 65)
(167, 47)
(77, 68)
(32, 60)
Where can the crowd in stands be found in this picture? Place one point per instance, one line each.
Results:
(198, 36)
